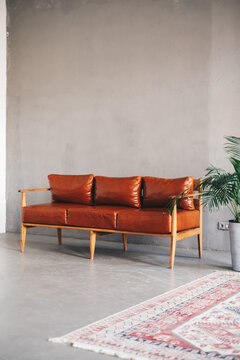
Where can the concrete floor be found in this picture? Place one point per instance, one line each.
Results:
(51, 290)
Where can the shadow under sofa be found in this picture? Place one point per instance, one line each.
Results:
(105, 205)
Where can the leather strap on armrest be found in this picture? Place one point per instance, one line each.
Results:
(192, 195)
(186, 195)
(29, 190)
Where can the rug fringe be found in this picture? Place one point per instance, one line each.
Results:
(102, 350)
(97, 349)
(59, 340)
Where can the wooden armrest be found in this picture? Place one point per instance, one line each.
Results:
(192, 195)
(186, 195)
(24, 195)
(29, 190)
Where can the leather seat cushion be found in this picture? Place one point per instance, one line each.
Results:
(71, 188)
(157, 192)
(53, 214)
(100, 216)
(155, 220)
(123, 191)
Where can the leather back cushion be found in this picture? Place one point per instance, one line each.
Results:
(118, 191)
(157, 192)
(71, 188)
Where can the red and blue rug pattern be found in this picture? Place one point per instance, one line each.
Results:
(200, 320)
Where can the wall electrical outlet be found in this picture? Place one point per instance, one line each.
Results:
(223, 225)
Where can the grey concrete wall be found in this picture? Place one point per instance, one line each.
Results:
(120, 88)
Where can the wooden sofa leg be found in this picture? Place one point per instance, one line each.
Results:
(200, 234)
(200, 245)
(124, 241)
(92, 243)
(172, 251)
(59, 234)
(23, 237)
(173, 236)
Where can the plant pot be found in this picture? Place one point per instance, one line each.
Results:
(234, 232)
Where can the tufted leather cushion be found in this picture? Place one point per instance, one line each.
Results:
(118, 191)
(71, 188)
(156, 220)
(157, 192)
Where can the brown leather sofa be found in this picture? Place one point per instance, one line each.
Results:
(127, 205)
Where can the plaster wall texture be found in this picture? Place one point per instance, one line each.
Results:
(120, 88)
(3, 79)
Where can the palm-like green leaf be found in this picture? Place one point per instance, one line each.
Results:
(236, 164)
(219, 188)
(232, 147)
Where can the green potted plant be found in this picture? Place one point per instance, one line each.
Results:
(222, 188)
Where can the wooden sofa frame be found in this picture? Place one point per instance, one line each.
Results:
(95, 232)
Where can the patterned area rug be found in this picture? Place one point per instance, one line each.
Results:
(200, 320)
